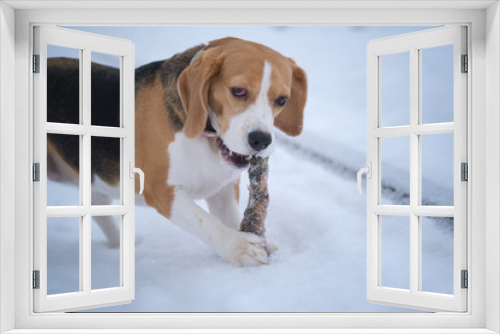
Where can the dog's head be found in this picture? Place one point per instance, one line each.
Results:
(244, 89)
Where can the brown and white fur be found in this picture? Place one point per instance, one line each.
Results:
(236, 86)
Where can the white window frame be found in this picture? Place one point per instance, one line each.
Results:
(414, 43)
(85, 43)
(483, 21)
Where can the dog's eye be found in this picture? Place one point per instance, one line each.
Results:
(240, 93)
(280, 101)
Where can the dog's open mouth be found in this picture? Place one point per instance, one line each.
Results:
(235, 159)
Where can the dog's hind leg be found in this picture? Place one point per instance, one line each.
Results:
(107, 224)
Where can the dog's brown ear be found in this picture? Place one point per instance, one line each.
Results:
(193, 86)
(290, 120)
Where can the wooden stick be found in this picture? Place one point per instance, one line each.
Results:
(256, 211)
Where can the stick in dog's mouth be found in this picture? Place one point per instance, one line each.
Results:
(235, 159)
(258, 200)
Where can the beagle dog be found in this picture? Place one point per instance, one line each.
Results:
(199, 117)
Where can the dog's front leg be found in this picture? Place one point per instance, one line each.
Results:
(224, 205)
(240, 248)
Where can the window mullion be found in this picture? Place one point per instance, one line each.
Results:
(418, 136)
(80, 177)
(414, 171)
(85, 243)
(85, 158)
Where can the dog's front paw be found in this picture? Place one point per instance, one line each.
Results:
(242, 249)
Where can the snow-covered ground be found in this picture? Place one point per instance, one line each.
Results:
(316, 217)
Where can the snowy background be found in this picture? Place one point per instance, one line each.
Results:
(316, 217)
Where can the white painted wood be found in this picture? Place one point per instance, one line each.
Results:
(311, 330)
(460, 155)
(417, 119)
(492, 186)
(414, 168)
(40, 155)
(412, 43)
(438, 128)
(86, 43)
(394, 131)
(94, 130)
(471, 322)
(7, 167)
(85, 272)
(80, 211)
(420, 129)
(418, 210)
(127, 221)
(85, 177)
(373, 188)
(248, 4)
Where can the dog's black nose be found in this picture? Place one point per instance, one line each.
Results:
(259, 140)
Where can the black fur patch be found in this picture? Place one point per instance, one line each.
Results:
(105, 96)
(146, 74)
(63, 89)
(170, 72)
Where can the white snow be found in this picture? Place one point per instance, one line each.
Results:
(316, 217)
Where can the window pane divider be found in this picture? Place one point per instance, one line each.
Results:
(395, 131)
(102, 131)
(419, 210)
(109, 210)
(66, 211)
(433, 129)
(434, 211)
(80, 211)
(81, 130)
(67, 129)
(394, 210)
(422, 129)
